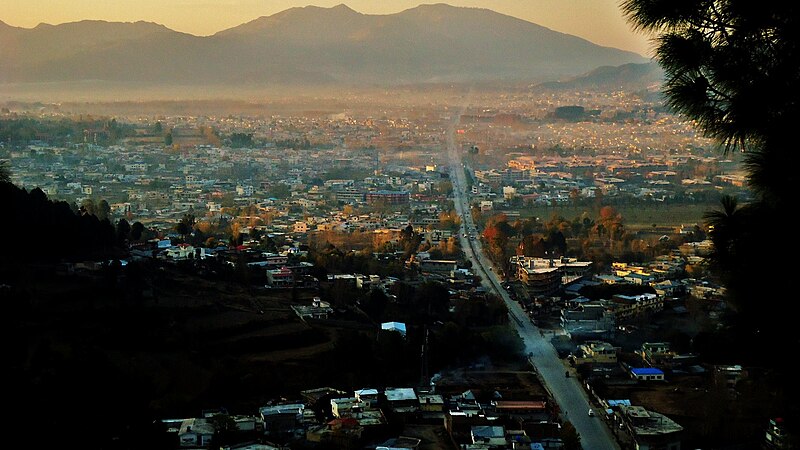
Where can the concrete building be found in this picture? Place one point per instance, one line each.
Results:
(595, 352)
(651, 430)
(588, 319)
(195, 433)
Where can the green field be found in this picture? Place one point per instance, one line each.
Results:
(641, 215)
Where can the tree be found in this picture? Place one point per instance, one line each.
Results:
(732, 67)
(103, 210)
(224, 428)
(136, 230)
(123, 231)
(570, 437)
(409, 241)
(5, 173)
(186, 225)
(88, 207)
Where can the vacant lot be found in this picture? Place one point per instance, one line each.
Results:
(639, 215)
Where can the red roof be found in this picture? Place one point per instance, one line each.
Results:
(520, 404)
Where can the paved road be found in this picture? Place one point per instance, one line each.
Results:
(567, 392)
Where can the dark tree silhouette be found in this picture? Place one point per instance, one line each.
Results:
(5, 173)
(733, 66)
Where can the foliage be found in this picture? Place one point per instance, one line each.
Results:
(20, 131)
(570, 437)
(732, 67)
(240, 140)
(5, 173)
(53, 231)
(409, 241)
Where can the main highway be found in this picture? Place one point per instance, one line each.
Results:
(566, 391)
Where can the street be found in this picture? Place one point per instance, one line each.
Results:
(567, 392)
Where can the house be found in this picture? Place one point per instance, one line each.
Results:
(344, 406)
(656, 353)
(431, 402)
(280, 278)
(281, 418)
(182, 251)
(595, 352)
(609, 279)
(402, 399)
(647, 373)
(195, 433)
(368, 396)
(493, 436)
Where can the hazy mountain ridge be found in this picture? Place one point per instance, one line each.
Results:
(631, 76)
(306, 45)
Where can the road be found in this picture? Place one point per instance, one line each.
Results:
(567, 392)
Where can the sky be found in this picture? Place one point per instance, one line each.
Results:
(599, 21)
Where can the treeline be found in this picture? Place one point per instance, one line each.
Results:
(38, 229)
(20, 131)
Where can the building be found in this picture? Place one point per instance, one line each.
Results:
(493, 436)
(729, 376)
(627, 306)
(650, 430)
(281, 418)
(280, 278)
(647, 374)
(399, 327)
(588, 319)
(195, 433)
(775, 437)
(656, 353)
(431, 402)
(388, 197)
(368, 396)
(402, 399)
(595, 352)
(532, 410)
(438, 266)
(545, 276)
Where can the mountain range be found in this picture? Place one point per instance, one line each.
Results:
(428, 43)
(631, 76)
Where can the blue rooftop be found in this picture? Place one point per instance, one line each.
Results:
(646, 371)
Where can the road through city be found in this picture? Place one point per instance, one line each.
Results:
(567, 391)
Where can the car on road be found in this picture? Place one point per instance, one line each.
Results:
(591, 412)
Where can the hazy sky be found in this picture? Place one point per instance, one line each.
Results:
(599, 21)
